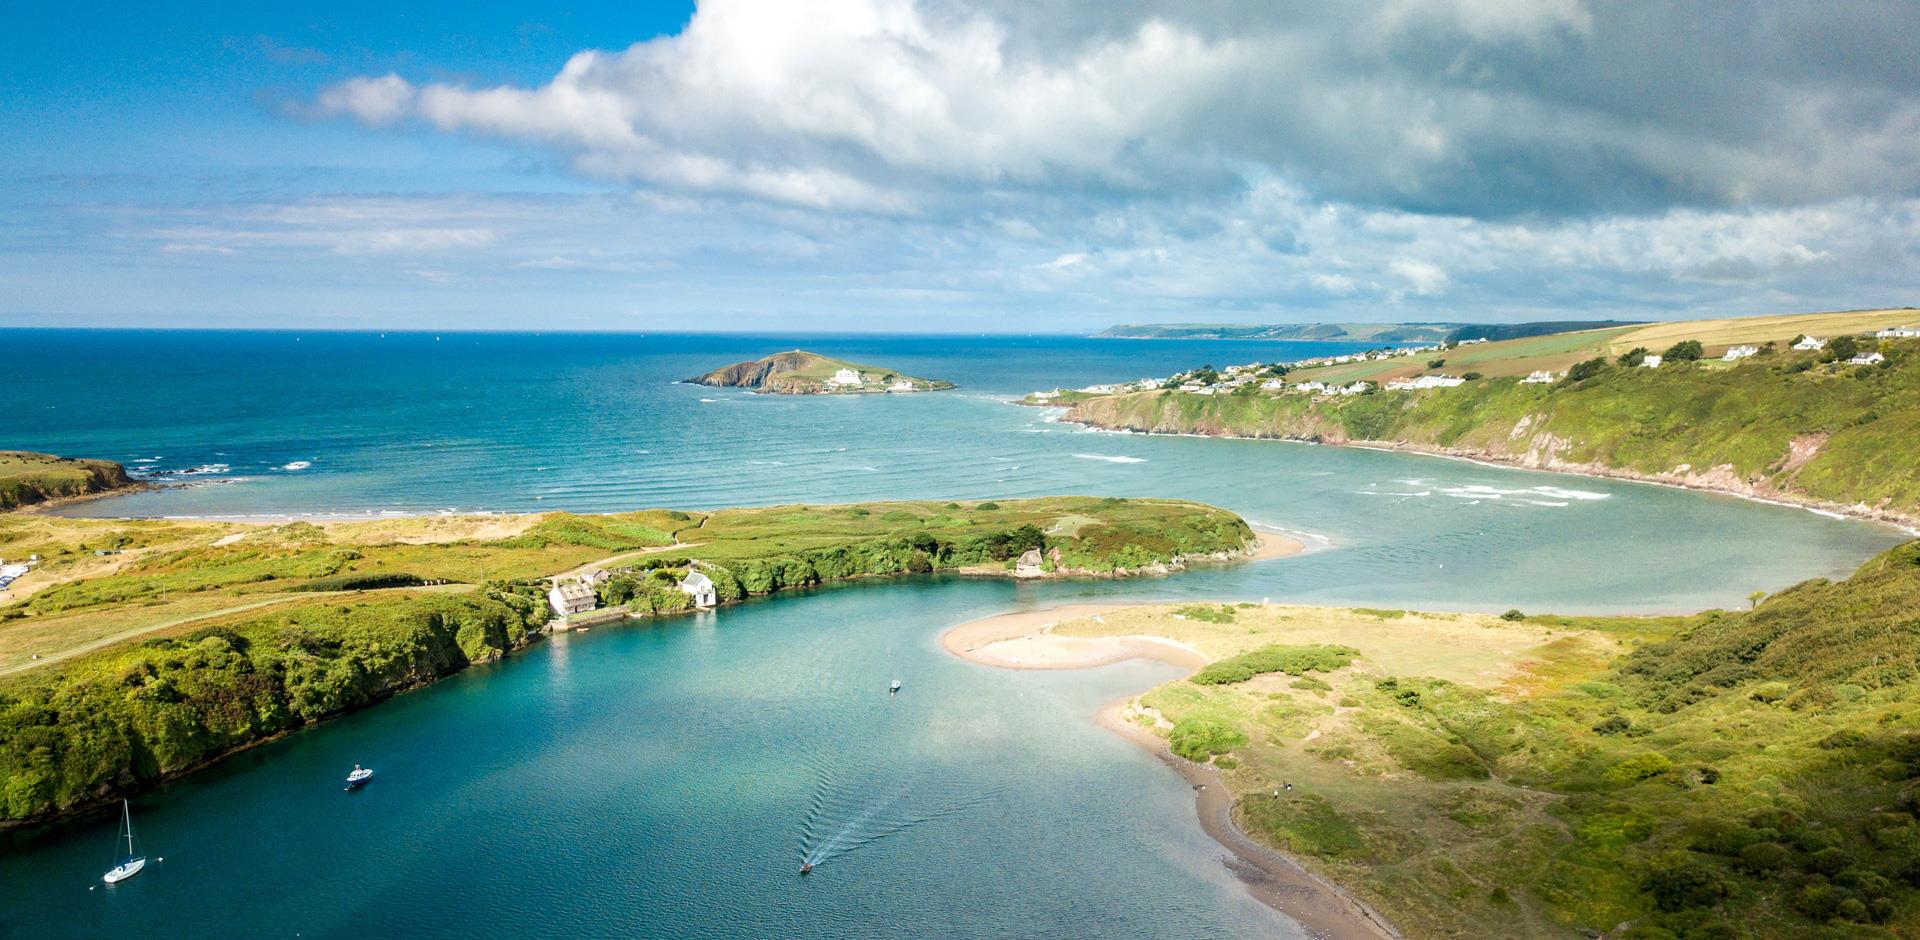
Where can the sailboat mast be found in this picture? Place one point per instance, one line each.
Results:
(126, 810)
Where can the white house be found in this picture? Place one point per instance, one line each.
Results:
(1191, 387)
(1897, 332)
(901, 386)
(1867, 359)
(699, 587)
(1538, 377)
(1739, 352)
(1356, 388)
(1273, 385)
(571, 597)
(1099, 389)
(1310, 387)
(1651, 362)
(847, 377)
(1810, 342)
(1205, 390)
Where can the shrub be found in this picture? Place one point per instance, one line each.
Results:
(1687, 350)
(1634, 356)
(1582, 371)
(1514, 614)
(1614, 724)
(1473, 376)
(1292, 660)
(1198, 739)
(1637, 768)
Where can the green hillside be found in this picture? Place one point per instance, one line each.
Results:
(1788, 424)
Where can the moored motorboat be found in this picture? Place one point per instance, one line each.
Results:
(894, 689)
(359, 776)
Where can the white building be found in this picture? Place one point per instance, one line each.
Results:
(1897, 332)
(901, 386)
(699, 587)
(571, 597)
(1810, 342)
(1311, 387)
(1651, 362)
(1867, 359)
(1099, 389)
(1273, 385)
(1424, 382)
(1191, 387)
(1538, 377)
(847, 377)
(1029, 564)
(1357, 388)
(1739, 352)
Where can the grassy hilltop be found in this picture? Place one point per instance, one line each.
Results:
(1791, 424)
(1727, 774)
(27, 478)
(799, 372)
(140, 650)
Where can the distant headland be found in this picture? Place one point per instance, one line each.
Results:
(27, 477)
(799, 372)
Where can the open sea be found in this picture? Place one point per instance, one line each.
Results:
(666, 779)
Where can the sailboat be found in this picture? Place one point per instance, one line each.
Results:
(131, 864)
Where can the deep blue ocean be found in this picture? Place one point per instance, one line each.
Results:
(664, 779)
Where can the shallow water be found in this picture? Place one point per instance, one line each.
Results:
(667, 779)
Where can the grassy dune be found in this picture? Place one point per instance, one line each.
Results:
(1783, 424)
(192, 639)
(1732, 773)
(27, 478)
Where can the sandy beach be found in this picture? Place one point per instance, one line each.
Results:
(1023, 640)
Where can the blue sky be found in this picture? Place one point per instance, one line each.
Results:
(933, 165)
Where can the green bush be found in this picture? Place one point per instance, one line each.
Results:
(1198, 739)
(1292, 660)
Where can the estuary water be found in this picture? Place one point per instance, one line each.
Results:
(667, 779)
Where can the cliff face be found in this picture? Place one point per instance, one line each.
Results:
(1839, 440)
(758, 372)
(27, 478)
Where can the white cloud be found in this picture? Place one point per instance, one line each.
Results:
(376, 101)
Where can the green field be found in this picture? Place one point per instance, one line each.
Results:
(139, 650)
(1727, 774)
(27, 477)
(1785, 424)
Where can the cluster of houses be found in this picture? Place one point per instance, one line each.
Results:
(579, 595)
(855, 379)
(1805, 343)
(1388, 352)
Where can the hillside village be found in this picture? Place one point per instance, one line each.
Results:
(1311, 376)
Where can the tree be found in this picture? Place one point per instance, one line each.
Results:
(1473, 376)
(1754, 599)
(1436, 363)
(1583, 371)
(1634, 356)
(1842, 347)
(1687, 350)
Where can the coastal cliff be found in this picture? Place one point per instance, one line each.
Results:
(1785, 427)
(798, 372)
(27, 478)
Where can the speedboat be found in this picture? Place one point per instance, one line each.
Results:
(359, 776)
(806, 867)
(894, 688)
(132, 862)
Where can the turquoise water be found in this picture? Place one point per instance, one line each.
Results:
(667, 779)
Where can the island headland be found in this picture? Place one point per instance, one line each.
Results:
(798, 372)
(28, 478)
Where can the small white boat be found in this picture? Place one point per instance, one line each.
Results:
(359, 776)
(132, 862)
(894, 688)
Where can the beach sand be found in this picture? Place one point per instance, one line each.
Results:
(1022, 640)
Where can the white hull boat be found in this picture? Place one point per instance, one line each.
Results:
(132, 862)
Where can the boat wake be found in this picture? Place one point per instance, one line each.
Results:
(846, 816)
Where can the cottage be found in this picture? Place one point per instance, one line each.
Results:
(1028, 565)
(1810, 342)
(847, 377)
(1099, 389)
(1311, 387)
(699, 587)
(901, 386)
(1897, 332)
(1867, 359)
(1739, 352)
(1273, 385)
(1538, 377)
(1357, 388)
(571, 597)
(1651, 362)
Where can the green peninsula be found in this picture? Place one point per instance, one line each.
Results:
(799, 372)
(27, 478)
(139, 650)
(1732, 773)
